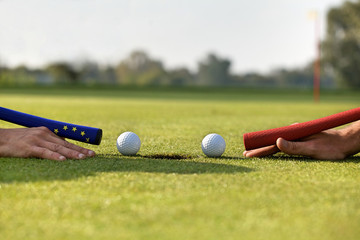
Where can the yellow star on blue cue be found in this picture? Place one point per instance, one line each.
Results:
(82, 133)
(65, 127)
(87, 139)
(74, 129)
(56, 130)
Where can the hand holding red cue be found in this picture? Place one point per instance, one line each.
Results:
(313, 138)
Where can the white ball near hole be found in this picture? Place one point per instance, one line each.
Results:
(213, 145)
(128, 143)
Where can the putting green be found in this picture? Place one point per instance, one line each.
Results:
(170, 190)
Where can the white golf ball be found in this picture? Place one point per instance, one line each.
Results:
(213, 145)
(128, 143)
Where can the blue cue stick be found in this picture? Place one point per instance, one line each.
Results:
(62, 129)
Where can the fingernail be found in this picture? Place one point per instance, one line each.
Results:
(62, 158)
(91, 153)
(81, 156)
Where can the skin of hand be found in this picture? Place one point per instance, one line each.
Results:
(39, 142)
(328, 145)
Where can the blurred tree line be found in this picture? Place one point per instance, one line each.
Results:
(141, 70)
(342, 44)
(341, 66)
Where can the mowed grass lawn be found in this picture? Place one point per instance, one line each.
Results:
(156, 196)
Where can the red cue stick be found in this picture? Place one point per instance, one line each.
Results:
(268, 137)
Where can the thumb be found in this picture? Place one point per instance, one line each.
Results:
(292, 148)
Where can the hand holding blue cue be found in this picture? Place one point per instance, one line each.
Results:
(62, 129)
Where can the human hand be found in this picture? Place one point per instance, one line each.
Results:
(39, 142)
(330, 145)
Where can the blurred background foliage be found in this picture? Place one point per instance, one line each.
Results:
(342, 45)
(340, 66)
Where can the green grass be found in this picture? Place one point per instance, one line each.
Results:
(146, 197)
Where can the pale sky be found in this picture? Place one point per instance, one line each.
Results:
(256, 35)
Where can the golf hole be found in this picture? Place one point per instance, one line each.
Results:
(169, 156)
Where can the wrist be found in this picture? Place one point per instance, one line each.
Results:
(2, 134)
(3, 140)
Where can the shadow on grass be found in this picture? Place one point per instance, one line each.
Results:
(32, 170)
(354, 159)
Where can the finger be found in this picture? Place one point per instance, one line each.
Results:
(262, 152)
(294, 148)
(45, 153)
(56, 139)
(45, 134)
(65, 151)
